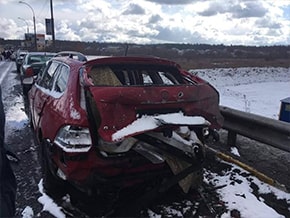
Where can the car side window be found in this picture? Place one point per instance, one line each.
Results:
(45, 80)
(61, 78)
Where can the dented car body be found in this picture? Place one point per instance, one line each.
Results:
(112, 123)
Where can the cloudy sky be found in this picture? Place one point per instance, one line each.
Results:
(228, 22)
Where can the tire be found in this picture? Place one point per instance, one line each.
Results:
(53, 185)
(30, 119)
(25, 90)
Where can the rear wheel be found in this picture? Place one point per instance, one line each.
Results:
(25, 90)
(30, 119)
(53, 185)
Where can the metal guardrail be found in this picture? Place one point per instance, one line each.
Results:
(269, 131)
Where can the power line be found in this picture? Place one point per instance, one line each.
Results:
(45, 6)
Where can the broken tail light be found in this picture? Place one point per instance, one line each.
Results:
(73, 139)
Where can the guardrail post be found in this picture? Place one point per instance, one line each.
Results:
(232, 138)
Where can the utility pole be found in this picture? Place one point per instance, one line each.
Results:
(52, 25)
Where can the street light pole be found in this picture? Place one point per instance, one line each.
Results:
(34, 26)
(52, 25)
(25, 22)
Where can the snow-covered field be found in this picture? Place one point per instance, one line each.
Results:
(256, 90)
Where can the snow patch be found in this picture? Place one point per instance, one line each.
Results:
(74, 114)
(148, 122)
(27, 212)
(48, 204)
(237, 193)
(235, 151)
(15, 116)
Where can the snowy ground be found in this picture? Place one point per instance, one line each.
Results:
(257, 90)
(254, 90)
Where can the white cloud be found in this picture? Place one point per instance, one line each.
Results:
(134, 9)
(151, 21)
(172, 2)
(65, 31)
(9, 28)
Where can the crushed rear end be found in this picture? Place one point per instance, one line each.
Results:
(149, 109)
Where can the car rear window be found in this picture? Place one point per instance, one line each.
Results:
(38, 58)
(134, 74)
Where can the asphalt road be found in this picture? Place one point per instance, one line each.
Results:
(270, 161)
(20, 141)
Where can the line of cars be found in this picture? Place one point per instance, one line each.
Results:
(113, 124)
(29, 64)
(30, 67)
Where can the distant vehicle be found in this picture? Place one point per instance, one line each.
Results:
(72, 54)
(114, 124)
(20, 54)
(13, 56)
(32, 63)
(7, 54)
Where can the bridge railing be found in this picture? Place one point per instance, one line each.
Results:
(269, 131)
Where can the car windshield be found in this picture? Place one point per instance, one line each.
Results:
(134, 74)
(38, 58)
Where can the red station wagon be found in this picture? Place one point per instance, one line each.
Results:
(114, 123)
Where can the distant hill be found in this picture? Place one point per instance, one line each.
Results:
(189, 56)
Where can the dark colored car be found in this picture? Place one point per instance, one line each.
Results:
(32, 63)
(115, 124)
(19, 59)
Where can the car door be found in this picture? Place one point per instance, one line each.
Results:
(41, 92)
